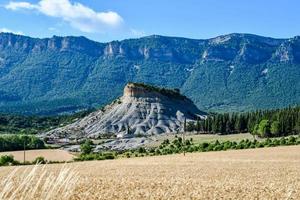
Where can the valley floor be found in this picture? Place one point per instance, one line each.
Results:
(48, 154)
(266, 173)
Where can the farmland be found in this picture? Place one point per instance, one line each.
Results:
(48, 154)
(267, 173)
(199, 138)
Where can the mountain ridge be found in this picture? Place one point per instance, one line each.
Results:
(237, 72)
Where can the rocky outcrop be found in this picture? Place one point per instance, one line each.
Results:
(142, 110)
(61, 75)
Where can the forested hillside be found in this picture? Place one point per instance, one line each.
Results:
(267, 123)
(235, 72)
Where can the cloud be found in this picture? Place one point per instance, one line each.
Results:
(19, 5)
(77, 15)
(52, 29)
(137, 33)
(6, 30)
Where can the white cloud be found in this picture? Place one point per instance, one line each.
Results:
(77, 15)
(6, 30)
(19, 5)
(137, 33)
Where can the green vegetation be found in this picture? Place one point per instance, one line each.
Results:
(7, 160)
(172, 93)
(50, 81)
(97, 156)
(178, 145)
(16, 124)
(268, 123)
(17, 142)
(86, 147)
(40, 160)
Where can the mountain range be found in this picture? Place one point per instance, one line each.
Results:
(234, 72)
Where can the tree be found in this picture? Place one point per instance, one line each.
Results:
(264, 128)
(86, 147)
(190, 126)
(6, 160)
(198, 125)
(275, 128)
(255, 132)
(40, 160)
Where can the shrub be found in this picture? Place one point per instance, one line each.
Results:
(109, 155)
(291, 140)
(276, 142)
(259, 145)
(40, 160)
(282, 141)
(86, 147)
(127, 154)
(7, 160)
(157, 152)
(142, 150)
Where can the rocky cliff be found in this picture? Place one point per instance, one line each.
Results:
(234, 72)
(142, 110)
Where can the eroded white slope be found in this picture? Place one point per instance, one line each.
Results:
(138, 111)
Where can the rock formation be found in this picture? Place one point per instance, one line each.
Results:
(142, 109)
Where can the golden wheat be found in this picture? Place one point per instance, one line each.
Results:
(268, 173)
(48, 154)
(38, 182)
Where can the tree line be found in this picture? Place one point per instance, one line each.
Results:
(15, 124)
(264, 123)
(19, 142)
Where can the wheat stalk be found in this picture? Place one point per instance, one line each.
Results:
(38, 183)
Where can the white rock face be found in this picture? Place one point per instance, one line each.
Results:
(265, 71)
(139, 111)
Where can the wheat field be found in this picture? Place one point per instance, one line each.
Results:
(268, 173)
(48, 154)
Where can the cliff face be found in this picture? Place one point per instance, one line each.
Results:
(234, 72)
(134, 91)
(139, 111)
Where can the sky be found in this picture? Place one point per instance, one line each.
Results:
(107, 20)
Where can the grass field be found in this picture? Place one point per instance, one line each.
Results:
(267, 173)
(199, 138)
(48, 154)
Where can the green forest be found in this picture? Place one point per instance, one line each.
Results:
(15, 124)
(20, 142)
(264, 123)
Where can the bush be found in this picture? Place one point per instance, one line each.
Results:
(39, 160)
(276, 142)
(86, 147)
(291, 140)
(108, 155)
(282, 141)
(7, 160)
(157, 152)
(142, 150)
(127, 154)
(259, 145)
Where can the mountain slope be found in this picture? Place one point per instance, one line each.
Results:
(233, 72)
(142, 109)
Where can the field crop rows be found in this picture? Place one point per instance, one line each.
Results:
(268, 173)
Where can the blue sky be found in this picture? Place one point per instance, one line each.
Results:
(106, 20)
